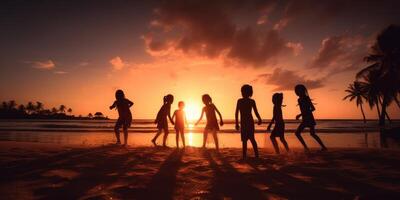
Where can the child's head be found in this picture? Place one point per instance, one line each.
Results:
(247, 91)
(206, 99)
(300, 90)
(169, 99)
(119, 95)
(277, 99)
(181, 105)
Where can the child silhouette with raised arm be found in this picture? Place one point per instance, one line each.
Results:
(306, 108)
(161, 119)
(277, 118)
(245, 106)
(212, 123)
(180, 122)
(125, 116)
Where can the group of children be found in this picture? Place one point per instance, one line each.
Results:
(244, 108)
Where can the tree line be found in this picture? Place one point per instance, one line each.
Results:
(11, 110)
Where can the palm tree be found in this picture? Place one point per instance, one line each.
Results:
(39, 106)
(62, 108)
(12, 105)
(90, 115)
(355, 91)
(69, 111)
(385, 59)
(54, 110)
(21, 108)
(30, 107)
(4, 105)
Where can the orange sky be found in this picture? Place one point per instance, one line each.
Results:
(83, 53)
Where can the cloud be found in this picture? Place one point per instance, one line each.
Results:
(47, 64)
(338, 53)
(60, 72)
(208, 29)
(286, 80)
(117, 63)
(309, 9)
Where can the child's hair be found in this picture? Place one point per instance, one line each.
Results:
(181, 104)
(119, 95)
(247, 90)
(300, 90)
(169, 98)
(206, 99)
(277, 99)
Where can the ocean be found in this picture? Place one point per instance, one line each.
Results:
(334, 133)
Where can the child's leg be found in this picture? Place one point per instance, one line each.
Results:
(255, 148)
(125, 128)
(274, 143)
(183, 137)
(116, 130)
(298, 135)
(156, 136)
(244, 149)
(177, 138)
(315, 136)
(215, 139)
(284, 143)
(166, 132)
(205, 134)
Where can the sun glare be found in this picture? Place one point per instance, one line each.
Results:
(192, 111)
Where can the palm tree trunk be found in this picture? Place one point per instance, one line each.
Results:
(382, 117)
(363, 114)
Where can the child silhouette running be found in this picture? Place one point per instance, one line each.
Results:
(245, 106)
(307, 117)
(277, 118)
(161, 119)
(125, 116)
(212, 123)
(180, 122)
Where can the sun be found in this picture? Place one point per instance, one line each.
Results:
(192, 111)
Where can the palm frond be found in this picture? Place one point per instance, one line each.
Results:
(364, 72)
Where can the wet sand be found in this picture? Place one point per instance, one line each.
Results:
(50, 171)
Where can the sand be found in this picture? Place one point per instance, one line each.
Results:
(48, 171)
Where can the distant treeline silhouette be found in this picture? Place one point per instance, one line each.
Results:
(11, 110)
(379, 83)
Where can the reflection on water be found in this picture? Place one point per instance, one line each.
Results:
(334, 133)
(344, 140)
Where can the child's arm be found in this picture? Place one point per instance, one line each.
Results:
(221, 122)
(173, 117)
(186, 122)
(113, 105)
(270, 123)
(236, 116)
(311, 105)
(201, 117)
(130, 103)
(169, 116)
(256, 112)
(298, 116)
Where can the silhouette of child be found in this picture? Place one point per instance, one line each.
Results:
(180, 122)
(125, 116)
(245, 106)
(161, 119)
(306, 108)
(279, 128)
(212, 123)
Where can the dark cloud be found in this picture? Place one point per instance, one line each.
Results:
(339, 53)
(286, 80)
(207, 28)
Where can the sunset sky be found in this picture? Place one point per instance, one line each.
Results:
(78, 53)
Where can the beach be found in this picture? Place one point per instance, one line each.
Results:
(53, 171)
